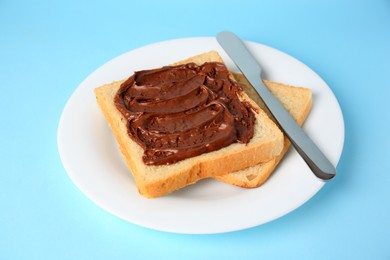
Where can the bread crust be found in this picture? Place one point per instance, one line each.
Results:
(156, 181)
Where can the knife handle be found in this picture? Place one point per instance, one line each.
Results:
(315, 159)
(312, 155)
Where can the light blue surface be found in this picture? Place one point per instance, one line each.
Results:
(47, 48)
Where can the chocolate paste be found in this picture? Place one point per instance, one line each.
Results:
(182, 111)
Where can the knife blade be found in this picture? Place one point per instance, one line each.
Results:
(248, 65)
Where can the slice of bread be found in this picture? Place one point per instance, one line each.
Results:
(156, 181)
(297, 101)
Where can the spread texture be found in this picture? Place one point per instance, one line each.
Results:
(179, 112)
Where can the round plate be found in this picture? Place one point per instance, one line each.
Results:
(92, 159)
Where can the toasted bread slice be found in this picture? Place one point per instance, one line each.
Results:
(155, 181)
(297, 101)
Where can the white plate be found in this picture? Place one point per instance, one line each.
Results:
(92, 159)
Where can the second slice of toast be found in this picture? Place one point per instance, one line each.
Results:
(155, 181)
(297, 101)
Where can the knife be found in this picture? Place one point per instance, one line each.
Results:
(315, 159)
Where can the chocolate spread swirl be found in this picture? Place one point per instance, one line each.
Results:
(178, 112)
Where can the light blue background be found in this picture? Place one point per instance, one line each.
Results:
(48, 47)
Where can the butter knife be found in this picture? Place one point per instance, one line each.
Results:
(315, 159)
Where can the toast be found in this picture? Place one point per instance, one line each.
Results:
(157, 180)
(297, 101)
